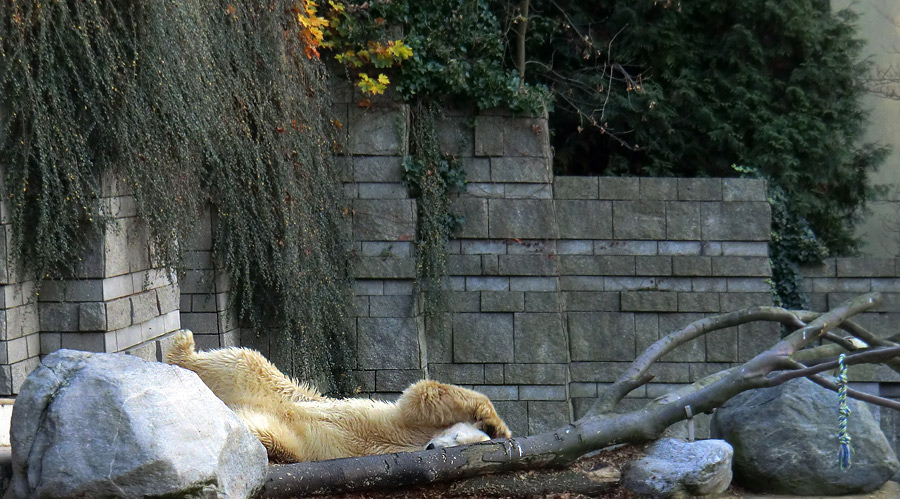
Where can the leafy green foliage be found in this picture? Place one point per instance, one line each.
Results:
(457, 51)
(688, 88)
(191, 103)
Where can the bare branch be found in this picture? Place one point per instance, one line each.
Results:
(521, 28)
(853, 328)
(863, 335)
(819, 354)
(844, 343)
(826, 322)
(863, 396)
(885, 80)
(636, 374)
(868, 356)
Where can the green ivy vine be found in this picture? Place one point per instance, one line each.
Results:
(793, 244)
(431, 177)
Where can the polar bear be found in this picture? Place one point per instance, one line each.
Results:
(296, 423)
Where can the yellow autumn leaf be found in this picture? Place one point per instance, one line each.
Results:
(399, 49)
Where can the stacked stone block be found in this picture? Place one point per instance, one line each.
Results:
(555, 284)
(20, 343)
(640, 258)
(205, 304)
(119, 299)
(474, 343)
(388, 323)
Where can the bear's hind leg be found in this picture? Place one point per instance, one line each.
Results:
(182, 351)
(238, 375)
(281, 443)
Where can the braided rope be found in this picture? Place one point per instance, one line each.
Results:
(844, 415)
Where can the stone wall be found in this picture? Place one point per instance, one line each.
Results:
(556, 284)
(205, 294)
(20, 341)
(117, 300)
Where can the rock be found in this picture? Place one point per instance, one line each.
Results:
(676, 468)
(111, 425)
(785, 442)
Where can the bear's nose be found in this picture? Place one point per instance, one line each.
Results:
(429, 446)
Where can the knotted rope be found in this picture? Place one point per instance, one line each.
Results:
(843, 415)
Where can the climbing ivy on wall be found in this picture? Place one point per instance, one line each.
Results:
(445, 52)
(190, 103)
(793, 243)
(431, 177)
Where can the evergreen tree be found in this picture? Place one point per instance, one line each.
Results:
(657, 88)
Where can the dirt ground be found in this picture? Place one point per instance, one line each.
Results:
(608, 459)
(890, 490)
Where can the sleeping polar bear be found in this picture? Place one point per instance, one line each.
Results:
(296, 423)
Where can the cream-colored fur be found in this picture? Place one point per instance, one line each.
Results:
(296, 423)
(458, 434)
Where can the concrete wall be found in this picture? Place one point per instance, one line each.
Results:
(205, 303)
(879, 25)
(20, 345)
(556, 284)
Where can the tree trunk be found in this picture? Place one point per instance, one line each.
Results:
(521, 29)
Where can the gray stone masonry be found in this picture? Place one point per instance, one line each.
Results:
(20, 344)
(557, 284)
(116, 300)
(204, 299)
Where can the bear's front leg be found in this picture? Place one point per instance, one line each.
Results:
(442, 405)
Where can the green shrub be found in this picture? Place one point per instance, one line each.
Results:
(457, 48)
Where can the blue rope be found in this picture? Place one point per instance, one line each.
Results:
(844, 415)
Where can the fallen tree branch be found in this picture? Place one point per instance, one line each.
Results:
(857, 331)
(826, 322)
(863, 396)
(563, 446)
(844, 343)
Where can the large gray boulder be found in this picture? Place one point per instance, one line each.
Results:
(785, 442)
(112, 425)
(675, 468)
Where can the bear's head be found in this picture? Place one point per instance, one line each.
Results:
(458, 434)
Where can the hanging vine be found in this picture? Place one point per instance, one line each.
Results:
(431, 177)
(190, 103)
